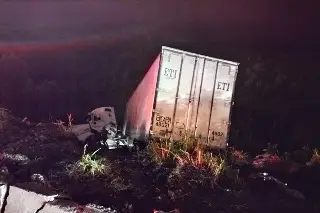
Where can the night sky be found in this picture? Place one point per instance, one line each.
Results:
(119, 39)
(275, 22)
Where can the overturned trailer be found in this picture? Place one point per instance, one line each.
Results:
(183, 93)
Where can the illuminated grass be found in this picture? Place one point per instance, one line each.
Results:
(90, 165)
(185, 153)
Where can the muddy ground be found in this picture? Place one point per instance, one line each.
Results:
(41, 157)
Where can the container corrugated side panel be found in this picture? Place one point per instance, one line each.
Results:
(139, 107)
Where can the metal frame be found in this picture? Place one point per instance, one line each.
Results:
(194, 88)
(231, 107)
(212, 99)
(191, 88)
(201, 82)
(177, 95)
(199, 55)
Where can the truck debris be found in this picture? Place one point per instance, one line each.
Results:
(102, 130)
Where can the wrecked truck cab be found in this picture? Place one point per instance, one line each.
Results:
(101, 130)
(97, 119)
(101, 117)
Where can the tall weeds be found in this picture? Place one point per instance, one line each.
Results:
(188, 151)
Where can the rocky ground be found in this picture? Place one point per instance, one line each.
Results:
(44, 158)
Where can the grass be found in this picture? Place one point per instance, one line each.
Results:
(90, 165)
(187, 152)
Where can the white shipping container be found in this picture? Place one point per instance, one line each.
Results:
(184, 93)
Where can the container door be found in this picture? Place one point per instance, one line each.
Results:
(184, 99)
(194, 95)
(168, 80)
(205, 99)
(222, 101)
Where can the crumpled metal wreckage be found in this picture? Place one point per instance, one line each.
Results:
(101, 130)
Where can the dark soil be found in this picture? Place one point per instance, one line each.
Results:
(134, 183)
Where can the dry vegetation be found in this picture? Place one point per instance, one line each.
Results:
(187, 152)
(63, 127)
(315, 159)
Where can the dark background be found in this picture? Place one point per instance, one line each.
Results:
(59, 57)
